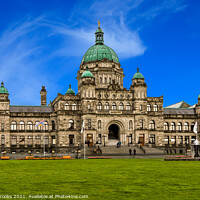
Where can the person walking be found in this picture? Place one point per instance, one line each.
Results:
(88, 143)
(134, 152)
(130, 152)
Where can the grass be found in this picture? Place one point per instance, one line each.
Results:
(102, 179)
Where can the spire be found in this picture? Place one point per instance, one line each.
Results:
(87, 68)
(69, 86)
(2, 84)
(99, 35)
(137, 69)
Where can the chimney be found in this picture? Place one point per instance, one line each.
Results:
(43, 93)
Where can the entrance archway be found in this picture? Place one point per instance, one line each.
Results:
(113, 132)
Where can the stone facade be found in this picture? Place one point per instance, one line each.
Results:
(109, 112)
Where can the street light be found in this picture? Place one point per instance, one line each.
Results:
(128, 136)
(104, 140)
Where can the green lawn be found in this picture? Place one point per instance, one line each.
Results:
(102, 179)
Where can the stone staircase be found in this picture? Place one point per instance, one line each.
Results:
(153, 151)
(112, 150)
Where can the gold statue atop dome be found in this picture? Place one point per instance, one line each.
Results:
(98, 23)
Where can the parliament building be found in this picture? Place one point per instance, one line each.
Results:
(111, 113)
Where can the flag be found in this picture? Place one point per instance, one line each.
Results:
(83, 127)
(195, 128)
(40, 123)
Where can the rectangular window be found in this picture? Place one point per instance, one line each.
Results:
(187, 140)
(166, 140)
(3, 140)
(30, 140)
(2, 127)
(71, 139)
(13, 140)
(46, 140)
(38, 140)
(152, 139)
(89, 124)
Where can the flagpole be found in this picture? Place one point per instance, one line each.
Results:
(84, 141)
(43, 139)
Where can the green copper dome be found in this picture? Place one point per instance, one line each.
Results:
(199, 96)
(3, 90)
(100, 51)
(70, 91)
(138, 75)
(87, 73)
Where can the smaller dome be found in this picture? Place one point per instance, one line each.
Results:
(87, 73)
(138, 75)
(70, 90)
(3, 90)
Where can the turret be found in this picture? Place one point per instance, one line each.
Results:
(4, 100)
(70, 91)
(87, 84)
(4, 110)
(139, 86)
(43, 94)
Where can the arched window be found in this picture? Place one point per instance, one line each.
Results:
(152, 125)
(29, 126)
(166, 126)
(128, 106)
(192, 126)
(37, 128)
(99, 106)
(105, 80)
(148, 108)
(53, 125)
(179, 126)
(13, 126)
(121, 106)
(21, 126)
(99, 124)
(130, 124)
(186, 126)
(46, 126)
(71, 124)
(172, 126)
(66, 106)
(100, 79)
(74, 106)
(141, 124)
(88, 93)
(114, 106)
(89, 106)
(106, 106)
(109, 80)
(155, 108)
(140, 107)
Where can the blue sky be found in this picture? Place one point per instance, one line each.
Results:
(42, 43)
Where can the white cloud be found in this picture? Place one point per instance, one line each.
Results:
(26, 46)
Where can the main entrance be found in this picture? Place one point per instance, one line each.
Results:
(113, 132)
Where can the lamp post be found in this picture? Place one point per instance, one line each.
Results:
(128, 136)
(104, 140)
